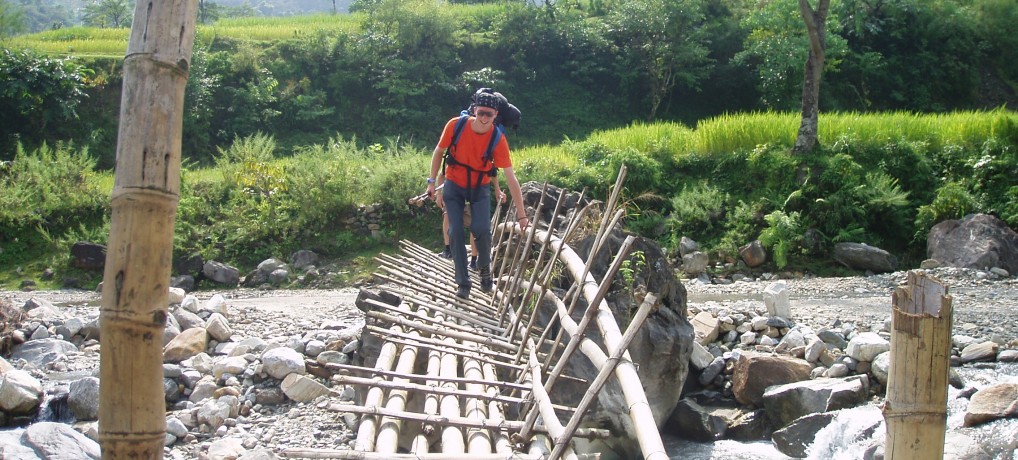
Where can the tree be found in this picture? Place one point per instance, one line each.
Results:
(662, 42)
(816, 21)
(107, 13)
(12, 19)
(39, 95)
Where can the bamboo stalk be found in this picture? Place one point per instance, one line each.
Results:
(466, 336)
(453, 379)
(915, 410)
(602, 376)
(478, 441)
(449, 406)
(388, 435)
(436, 343)
(460, 421)
(143, 202)
(354, 455)
(368, 427)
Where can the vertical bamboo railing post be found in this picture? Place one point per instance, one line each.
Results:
(915, 410)
(146, 191)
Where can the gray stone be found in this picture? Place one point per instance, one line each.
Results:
(282, 361)
(221, 273)
(57, 441)
(861, 256)
(20, 393)
(83, 398)
(867, 345)
(979, 241)
(39, 353)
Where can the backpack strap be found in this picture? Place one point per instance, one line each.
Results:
(489, 153)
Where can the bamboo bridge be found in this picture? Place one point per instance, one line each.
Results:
(474, 379)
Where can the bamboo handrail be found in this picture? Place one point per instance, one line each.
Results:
(602, 376)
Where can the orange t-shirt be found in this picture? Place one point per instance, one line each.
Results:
(469, 150)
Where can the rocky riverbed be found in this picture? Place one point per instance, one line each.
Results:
(261, 420)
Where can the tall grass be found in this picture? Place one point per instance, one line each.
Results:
(281, 28)
(96, 42)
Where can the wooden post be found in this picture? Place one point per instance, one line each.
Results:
(915, 410)
(132, 420)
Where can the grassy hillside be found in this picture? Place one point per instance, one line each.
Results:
(882, 179)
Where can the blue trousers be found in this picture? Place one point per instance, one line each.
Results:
(479, 199)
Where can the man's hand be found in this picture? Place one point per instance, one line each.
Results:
(499, 196)
(524, 223)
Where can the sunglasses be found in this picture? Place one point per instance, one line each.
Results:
(485, 113)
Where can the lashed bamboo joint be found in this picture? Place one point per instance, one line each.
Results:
(456, 379)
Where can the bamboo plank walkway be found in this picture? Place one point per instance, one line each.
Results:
(472, 379)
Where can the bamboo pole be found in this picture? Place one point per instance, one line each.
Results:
(354, 455)
(449, 406)
(478, 440)
(454, 379)
(915, 410)
(388, 435)
(604, 372)
(132, 421)
(460, 421)
(368, 427)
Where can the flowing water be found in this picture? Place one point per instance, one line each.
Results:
(852, 432)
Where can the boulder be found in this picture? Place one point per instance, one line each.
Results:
(692, 421)
(20, 393)
(221, 273)
(89, 256)
(991, 403)
(41, 352)
(83, 398)
(860, 256)
(754, 372)
(978, 241)
(785, 403)
(188, 344)
(794, 439)
(753, 254)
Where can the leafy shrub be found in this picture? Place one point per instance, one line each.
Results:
(952, 201)
(783, 235)
(698, 211)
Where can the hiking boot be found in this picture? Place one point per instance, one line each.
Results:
(486, 282)
(463, 292)
(473, 263)
(446, 254)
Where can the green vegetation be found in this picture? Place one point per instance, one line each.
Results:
(882, 179)
(290, 124)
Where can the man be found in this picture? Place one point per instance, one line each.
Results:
(467, 181)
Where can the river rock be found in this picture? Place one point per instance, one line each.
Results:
(221, 273)
(754, 372)
(218, 327)
(753, 254)
(860, 256)
(58, 441)
(785, 403)
(979, 241)
(867, 345)
(41, 352)
(301, 388)
(186, 345)
(90, 256)
(83, 398)
(991, 403)
(775, 298)
(20, 393)
(794, 439)
(692, 421)
(282, 361)
(983, 351)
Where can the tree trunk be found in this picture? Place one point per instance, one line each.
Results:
(146, 190)
(807, 139)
